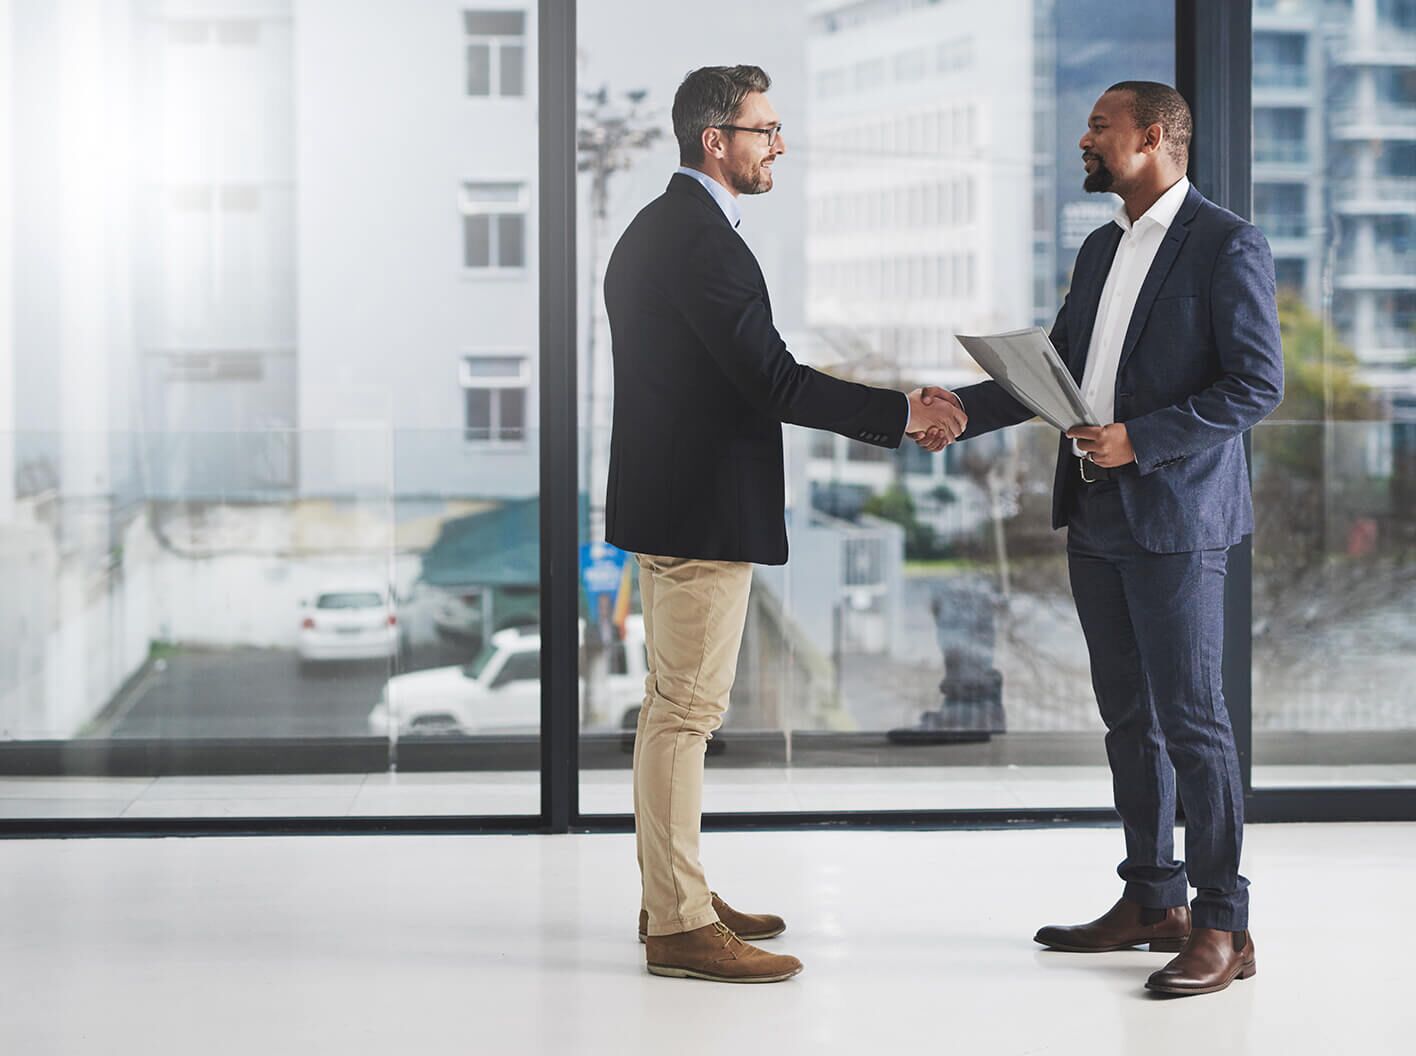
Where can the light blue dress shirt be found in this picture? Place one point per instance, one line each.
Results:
(721, 194)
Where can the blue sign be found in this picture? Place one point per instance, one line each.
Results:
(601, 571)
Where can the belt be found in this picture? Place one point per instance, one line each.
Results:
(1094, 474)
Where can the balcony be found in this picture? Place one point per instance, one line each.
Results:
(1381, 120)
(1280, 75)
(1280, 152)
(1386, 47)
(1381, 195)
(1385, 268)
(1282, 225)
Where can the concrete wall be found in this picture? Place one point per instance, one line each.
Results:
(386, 136)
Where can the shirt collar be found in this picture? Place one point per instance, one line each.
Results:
(1162, 212)
(721, 194)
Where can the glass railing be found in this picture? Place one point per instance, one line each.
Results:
(1380, 189)
(1280, 75)
(919, 649)
(1283, 225)
(348, 612)
(1280, 152)
(1379, 115)
(1379, 262)
(1334, 601)
(192, 613)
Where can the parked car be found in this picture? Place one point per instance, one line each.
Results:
(348, 622)
(500, 691)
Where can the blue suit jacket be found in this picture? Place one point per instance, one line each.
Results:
(1201, 364)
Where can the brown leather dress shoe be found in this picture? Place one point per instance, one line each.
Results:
(1209, 962)
(1121, 927)
(751, 927)
(714, 953)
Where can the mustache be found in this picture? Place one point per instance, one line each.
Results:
(1088, 156)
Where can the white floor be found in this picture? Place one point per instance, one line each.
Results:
(914, 942)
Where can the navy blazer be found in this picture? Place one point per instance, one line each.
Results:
(1201, 363)
(703, 383)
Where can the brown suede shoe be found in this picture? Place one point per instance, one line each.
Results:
(1210, 961)
(1121, 927)
(750, 927)
(714, 953)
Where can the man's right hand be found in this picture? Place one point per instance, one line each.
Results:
(936, 418)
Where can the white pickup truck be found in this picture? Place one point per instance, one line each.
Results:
(500, 691)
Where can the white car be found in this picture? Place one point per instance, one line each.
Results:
(348, 622)
(500, 691)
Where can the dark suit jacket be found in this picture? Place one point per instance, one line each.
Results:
(1200, 364)
(703, 382)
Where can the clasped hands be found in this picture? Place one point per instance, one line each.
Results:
(937, 418)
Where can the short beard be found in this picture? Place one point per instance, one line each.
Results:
(1099, 180)
(754, 181)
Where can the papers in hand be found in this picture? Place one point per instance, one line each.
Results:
(1026, 365)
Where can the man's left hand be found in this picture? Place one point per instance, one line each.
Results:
(1108, 446)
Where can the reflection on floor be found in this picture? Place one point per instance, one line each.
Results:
(914, 942)
(608, 791)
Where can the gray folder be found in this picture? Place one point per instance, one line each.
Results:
(1026, 365)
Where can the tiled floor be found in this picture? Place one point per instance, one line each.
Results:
(914, 942)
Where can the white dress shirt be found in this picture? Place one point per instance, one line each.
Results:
(1139, 243)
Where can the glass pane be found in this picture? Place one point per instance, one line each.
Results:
(513, 69)
(511, 241)
(251, 558)
(493, 366)
(513, 414)
(475, 194)
(494, 23)
(479, 69)
(479, 414)
(920, 649)
(1335, 467)
(477, 241)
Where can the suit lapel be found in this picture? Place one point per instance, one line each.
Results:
(1106, 251)
(681, 184)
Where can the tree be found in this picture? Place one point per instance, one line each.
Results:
(895, 504)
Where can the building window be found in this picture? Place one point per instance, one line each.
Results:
(494, 225)
(1280, 135)
(496, 53)
(494, 388)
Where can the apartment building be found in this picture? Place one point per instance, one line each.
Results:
(1334, 159)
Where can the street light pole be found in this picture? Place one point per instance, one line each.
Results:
(609, 135)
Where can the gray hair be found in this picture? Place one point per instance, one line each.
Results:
(709, 96)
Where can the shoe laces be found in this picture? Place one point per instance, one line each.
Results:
(727, 935)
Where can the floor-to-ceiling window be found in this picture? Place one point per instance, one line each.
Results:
(270, 435)
(920, 650)
(269, 492)
(1334, 585)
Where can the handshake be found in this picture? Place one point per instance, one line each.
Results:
(936, 418)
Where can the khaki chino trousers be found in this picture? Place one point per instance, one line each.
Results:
(694, 613)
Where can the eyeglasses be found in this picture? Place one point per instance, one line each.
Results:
(770, 133)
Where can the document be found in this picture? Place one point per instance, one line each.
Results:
(1030, 370)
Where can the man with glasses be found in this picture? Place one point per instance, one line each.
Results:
(703, 382)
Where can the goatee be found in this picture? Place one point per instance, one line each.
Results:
(1099, 180)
